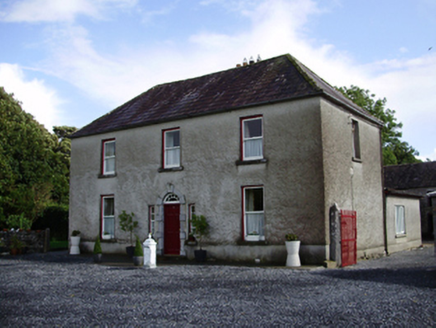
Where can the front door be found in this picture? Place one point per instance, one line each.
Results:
(172, 229)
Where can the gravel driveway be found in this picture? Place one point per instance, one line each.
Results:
(55, 289)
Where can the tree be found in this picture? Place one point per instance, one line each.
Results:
(395, 151)
(61, 163)
(34, 164)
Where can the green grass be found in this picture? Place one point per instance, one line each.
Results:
(58, 244)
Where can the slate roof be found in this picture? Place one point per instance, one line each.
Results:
(273, 80)
(410, 176)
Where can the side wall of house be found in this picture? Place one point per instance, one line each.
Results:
(211, 178)
(351, 183)
(412, 236)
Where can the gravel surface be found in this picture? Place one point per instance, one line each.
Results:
(58, 290)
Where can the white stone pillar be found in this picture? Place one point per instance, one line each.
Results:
(149, 252)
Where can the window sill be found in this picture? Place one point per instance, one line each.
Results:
(251, 162)
(112, 240)
(171, 169)
(402, 235)
(357, 160)
(252, 243)
(105, 176)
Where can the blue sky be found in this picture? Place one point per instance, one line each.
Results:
(71, 61)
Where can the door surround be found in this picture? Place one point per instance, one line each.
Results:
(171, 195)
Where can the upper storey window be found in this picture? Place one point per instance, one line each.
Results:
(108, 157)
(356, 140)
(252, 138)
(171, 148)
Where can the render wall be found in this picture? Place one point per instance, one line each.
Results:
(412, 238)
(354, 184)
(210, 146)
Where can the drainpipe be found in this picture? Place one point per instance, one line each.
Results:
(385, 228)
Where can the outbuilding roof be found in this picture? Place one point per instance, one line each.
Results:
(410, 176)
(282, 78)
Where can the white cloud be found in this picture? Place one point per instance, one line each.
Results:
(56, 10)
(431, 156)
(276, 27)
(36, 98)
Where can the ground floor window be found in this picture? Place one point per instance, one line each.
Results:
(253, 213)
(191, 213)
(107, 217)
(152, 219)
(400, 222)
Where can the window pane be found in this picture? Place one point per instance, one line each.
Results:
(400, 225)
(172, 139)
(172, 157)
(254, 224)
(253, 148)
(109, 226)
(108, 207)
(253, 128)
(109, 165)
(356, 142)
(109, 149)
(254, 200)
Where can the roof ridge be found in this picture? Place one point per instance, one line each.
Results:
(272, 80)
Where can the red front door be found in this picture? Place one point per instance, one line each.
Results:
(172, 229)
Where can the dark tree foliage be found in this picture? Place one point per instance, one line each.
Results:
(34, 164)
(395, 151)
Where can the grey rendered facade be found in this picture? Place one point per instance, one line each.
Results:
(306, 166)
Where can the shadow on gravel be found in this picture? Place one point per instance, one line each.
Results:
(50, 257)
(424, 277)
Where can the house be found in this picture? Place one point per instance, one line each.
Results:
(261, 150)
(418, 179)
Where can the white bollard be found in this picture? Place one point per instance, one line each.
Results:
(149, 252)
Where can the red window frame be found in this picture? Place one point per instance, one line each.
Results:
(241, 135)
(243, 188)
(102, 197)
(103, 143)
(163, 147)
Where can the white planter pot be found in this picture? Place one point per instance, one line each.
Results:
(293, 248)
(75, 242)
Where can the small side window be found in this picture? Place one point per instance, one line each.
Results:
(400, 220)
(356, 140)
(191, 212)
(151, 219)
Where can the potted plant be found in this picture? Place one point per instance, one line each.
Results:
(128, 225)
(201, 229)
(16, 245)
(97, 251)
(75, 242)
(293, 248)
(138, 253)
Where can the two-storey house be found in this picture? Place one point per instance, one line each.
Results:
(261, 150)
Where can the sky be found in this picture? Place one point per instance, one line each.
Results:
(72, 61)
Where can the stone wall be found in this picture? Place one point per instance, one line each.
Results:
(35, 241)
